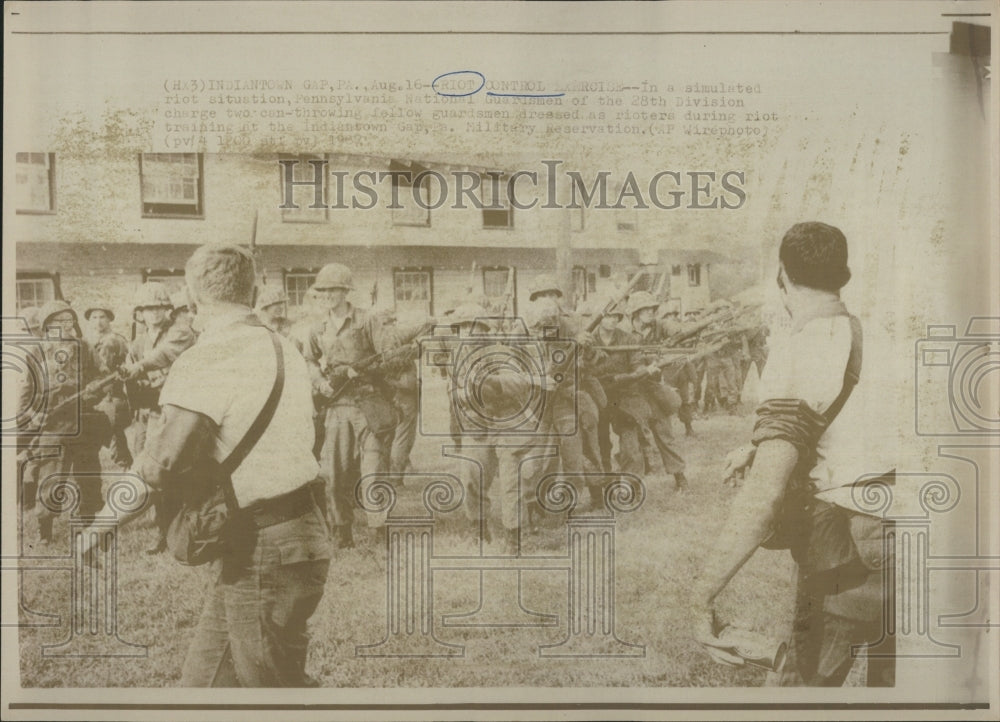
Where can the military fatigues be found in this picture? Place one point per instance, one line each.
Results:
(664, 401)
(110, 351)
(76, 429)
(359, 423)
(155, 351)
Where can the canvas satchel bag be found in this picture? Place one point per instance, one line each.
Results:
(208, 522)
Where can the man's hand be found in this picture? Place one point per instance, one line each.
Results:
(703, 628)
(738, 460)
(130, 372)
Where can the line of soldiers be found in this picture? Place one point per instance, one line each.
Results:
(366, 390)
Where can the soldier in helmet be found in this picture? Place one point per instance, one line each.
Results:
(182, 314)
(57, 420)
(110, 351)
(149, 362)
(664, 400)
(359, 418)
(272, 308)
(544, 286)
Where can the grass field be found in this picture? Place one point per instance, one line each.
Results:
(660, 549)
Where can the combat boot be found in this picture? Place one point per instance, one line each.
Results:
(45, 529)
(477, 533)
(511, 546)
(680, 482)
(345, 536)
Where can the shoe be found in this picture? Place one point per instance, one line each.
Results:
(161, 546)
(511, 545)
(45, 530)
(680, 482)
(534, 517)
(477, 533)
(345, 537)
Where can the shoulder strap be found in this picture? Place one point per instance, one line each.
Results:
(257, 428)
(852, 373)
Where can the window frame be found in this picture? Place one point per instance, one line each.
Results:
(305, 214)
(51, 172)
(199, 215)
(429, 270)
(296, 274)
(694, 279)
(507, 208)
(36, 277)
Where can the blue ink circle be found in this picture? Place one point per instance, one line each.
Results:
(482, 83)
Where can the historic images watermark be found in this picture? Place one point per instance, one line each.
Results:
(546, 187)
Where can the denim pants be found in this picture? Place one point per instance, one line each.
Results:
(252, 631)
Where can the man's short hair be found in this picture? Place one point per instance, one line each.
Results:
(222, 274)
(815, 255)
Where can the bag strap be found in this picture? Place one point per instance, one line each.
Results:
(256, 429)
(852, 374)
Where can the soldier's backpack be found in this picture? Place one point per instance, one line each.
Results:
(208, 522)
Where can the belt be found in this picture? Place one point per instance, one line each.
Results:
(286, 507)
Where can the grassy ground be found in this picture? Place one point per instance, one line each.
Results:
(660, 549)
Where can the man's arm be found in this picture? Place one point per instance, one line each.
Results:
(185, 440)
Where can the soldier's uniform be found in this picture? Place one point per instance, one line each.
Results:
(664, 400)
(110, 351)
(76, 428)
(490, 457)
(151, 355)
(359, 422)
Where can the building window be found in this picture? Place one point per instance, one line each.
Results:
(36, 289)
(498, 281)
(172, 278)
(35, 183)
(497, 210)
(675, 270)
(627, 220)
(584, 283)
(694, 274)
(413, 290)
(172, 185)
(296, 285)
(307, 170)
(411, 213)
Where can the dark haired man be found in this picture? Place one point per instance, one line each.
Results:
(808, 454)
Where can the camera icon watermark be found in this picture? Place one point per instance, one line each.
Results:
(46, 375)
(499, 382)
(957, 380)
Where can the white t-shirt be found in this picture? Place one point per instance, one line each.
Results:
(808, 364)
(227, 376)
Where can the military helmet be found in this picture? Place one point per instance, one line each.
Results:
(545, 312)
(543, 283)
(180, 300)
(152, 294)
(52, 308)
(110, 314)
(334, 275)
(32, 316)
(271, 295)
(640, 300)
(467, 313)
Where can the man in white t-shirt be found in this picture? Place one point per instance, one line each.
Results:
(252, 632)
(809, 456)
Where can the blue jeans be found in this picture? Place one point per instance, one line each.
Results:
(252, 631)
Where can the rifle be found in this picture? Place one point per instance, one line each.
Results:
(368, 364)
(374, 292)
(596, 321)
(91, 389)
(472, 278)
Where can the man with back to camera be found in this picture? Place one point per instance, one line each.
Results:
(810, 453)
(252, 632)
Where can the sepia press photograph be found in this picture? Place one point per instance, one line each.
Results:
(445, 360)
